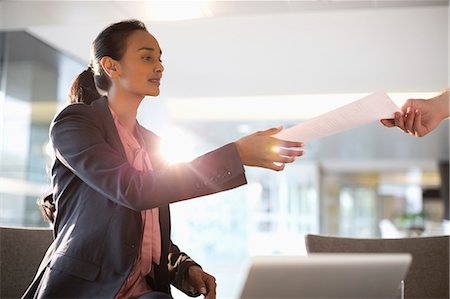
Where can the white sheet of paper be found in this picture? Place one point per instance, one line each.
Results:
(371, 108)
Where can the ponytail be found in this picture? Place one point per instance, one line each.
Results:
(47, 207)
(83, 88)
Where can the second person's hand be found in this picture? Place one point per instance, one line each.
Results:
(263, 150)
(419, 116)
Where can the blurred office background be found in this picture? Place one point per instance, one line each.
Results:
(231, 68)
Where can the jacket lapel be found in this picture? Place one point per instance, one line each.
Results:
(110, 130)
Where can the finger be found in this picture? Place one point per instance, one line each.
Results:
(211, 287)
(399, 122)
(285, 160)
(274, 166)
(271, 131)
(286, 143)
(288, 156)
(388, 122)
(211, 295)
(202, 290)
(418, 127)
(407, 104)
(409, 120)
(198, 284)
(290, 153)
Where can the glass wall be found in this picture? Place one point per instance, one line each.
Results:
(388, 201)
(34, 82)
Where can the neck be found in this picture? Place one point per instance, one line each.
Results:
(125, 106)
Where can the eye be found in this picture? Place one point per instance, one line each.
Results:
(147, 58)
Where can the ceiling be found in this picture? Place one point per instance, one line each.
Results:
(28, 13)
(60, 22)
(254, 48)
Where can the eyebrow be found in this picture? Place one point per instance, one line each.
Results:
(149, 49)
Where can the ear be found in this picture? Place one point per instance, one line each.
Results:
(110, 66)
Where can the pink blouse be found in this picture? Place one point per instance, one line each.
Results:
(135, 149)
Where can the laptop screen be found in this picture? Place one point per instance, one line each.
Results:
(340, 275)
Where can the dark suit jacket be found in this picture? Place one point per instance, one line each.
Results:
(99, 197)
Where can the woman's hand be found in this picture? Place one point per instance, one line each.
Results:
(263, 150)
(201, 282)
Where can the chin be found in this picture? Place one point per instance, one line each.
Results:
(152, 94)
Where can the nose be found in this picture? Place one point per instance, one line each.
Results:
(159, 68)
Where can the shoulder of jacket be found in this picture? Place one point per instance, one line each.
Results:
(78, 113)
(81, 110)
(76, 108)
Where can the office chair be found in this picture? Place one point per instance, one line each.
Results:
(428, 275)
(21, 251)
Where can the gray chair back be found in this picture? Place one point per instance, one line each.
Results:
(21, 251)
(428, 275)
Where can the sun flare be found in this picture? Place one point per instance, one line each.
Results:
(177, 146)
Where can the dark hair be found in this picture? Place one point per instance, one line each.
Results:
(110, 42)
(47, 207)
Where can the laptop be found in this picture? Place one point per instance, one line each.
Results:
(323, 275)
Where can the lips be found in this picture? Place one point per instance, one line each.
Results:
(155, 81)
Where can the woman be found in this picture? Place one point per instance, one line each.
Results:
(112, 189)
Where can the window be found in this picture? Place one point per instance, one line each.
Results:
(35, 79)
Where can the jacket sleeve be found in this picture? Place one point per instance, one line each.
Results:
(78, 138)
(179, 263)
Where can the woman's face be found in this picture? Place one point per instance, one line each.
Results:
(141, 67)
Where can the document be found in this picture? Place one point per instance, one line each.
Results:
(371, 108)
